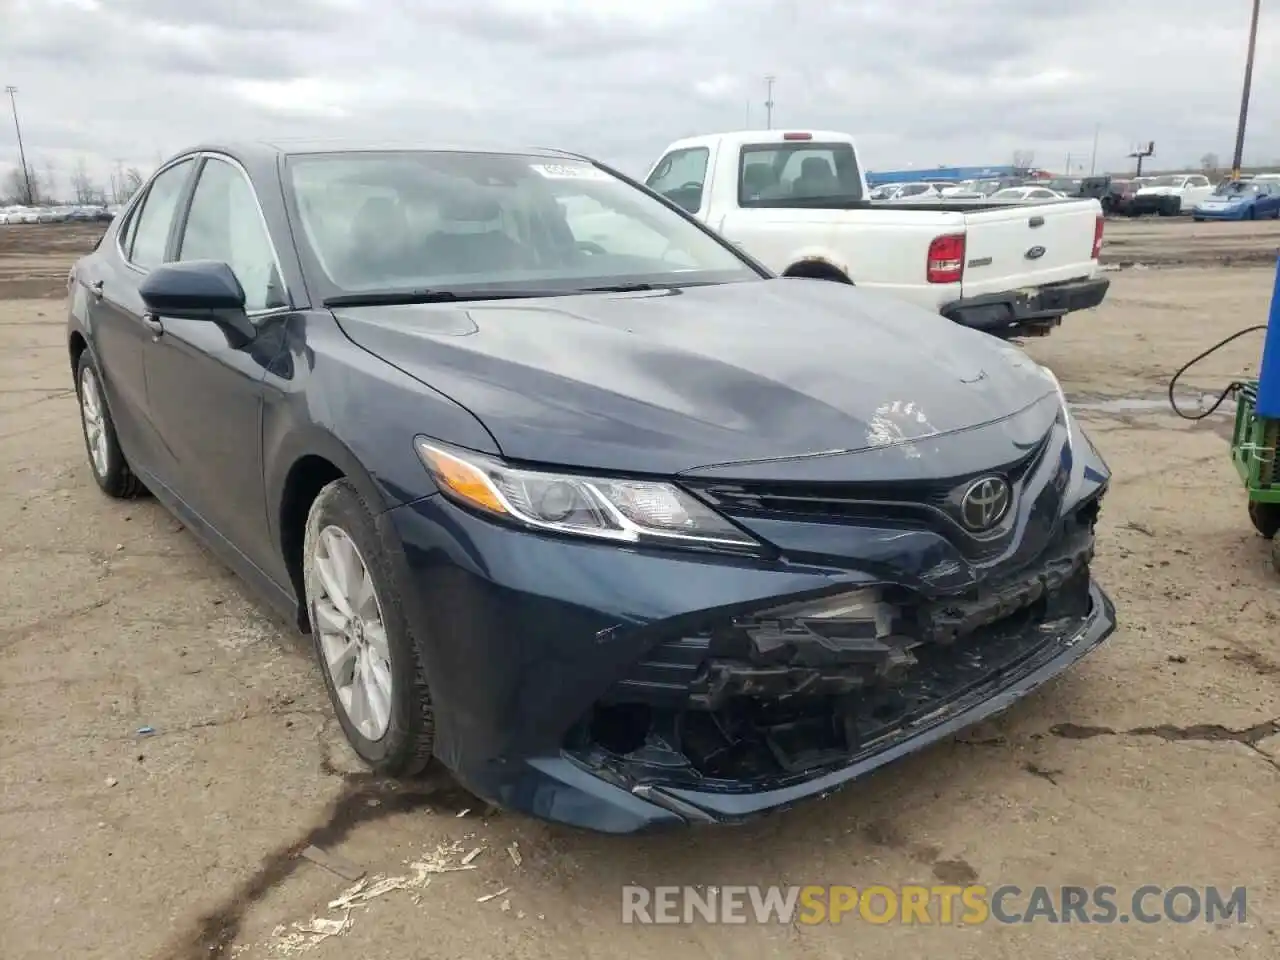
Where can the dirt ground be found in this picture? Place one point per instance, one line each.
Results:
(167, 749)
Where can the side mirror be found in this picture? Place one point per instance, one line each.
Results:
(193, 289)
(199, 290)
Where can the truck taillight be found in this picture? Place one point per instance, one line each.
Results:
(1097, 237)
(946, 259)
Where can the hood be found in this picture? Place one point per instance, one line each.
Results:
(1157, 191)
(662, 383)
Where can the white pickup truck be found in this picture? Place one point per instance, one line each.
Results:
(797, 202)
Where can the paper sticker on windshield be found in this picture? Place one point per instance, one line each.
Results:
(563, 171)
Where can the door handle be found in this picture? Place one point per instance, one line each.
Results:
(95, 289)
(152, 323)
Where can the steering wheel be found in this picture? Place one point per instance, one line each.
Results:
(588, 246)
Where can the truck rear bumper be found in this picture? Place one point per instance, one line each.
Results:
(1026, 312)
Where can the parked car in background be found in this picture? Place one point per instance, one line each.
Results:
(1025, 195)
(898, 192)
(1241, 200)
(1171, 194)
(625, 540)
(795, 201)
(1067, 186)
(1114, 193)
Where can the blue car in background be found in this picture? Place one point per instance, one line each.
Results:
(1241, 200)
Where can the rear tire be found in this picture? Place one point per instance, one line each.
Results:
(106, 460)
(368, 656)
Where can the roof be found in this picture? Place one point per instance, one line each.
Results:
(270, 149)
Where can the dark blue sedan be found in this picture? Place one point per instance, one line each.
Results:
(573, 497)
(1241, 200)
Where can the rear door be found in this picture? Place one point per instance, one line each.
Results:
(1028, 245)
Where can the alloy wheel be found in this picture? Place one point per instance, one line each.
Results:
(347, 616)
(92, 412)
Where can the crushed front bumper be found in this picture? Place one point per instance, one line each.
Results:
(996, 693)
(1027, 312)
(587, 684)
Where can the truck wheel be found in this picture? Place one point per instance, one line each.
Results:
(1265, 518)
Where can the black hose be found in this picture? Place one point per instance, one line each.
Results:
(1231, 389)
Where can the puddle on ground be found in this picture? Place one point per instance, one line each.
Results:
(1190, 404)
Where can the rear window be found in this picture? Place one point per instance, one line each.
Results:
(798, 174)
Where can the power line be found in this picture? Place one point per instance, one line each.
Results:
(1238, 160)
(12, 91)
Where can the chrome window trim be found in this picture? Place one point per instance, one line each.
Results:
(262, 220)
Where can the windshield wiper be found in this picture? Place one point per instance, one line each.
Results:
(391, 298)
(626, 288)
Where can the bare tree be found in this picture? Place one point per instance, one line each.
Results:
(1209, 162)
(81, 183)
(15, 187)
(1023, 159)
(130, 183)
(50, 179)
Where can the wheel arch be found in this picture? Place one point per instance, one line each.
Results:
(311, 464)
(817, 268)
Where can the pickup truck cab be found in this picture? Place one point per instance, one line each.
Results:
(798, 203)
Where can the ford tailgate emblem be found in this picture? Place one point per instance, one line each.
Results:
(1035, 253)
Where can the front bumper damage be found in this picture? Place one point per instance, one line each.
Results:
(761, 711)
(623, 690)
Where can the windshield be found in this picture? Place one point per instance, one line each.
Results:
(450, 221)
(1165, 182)
(1228, 187)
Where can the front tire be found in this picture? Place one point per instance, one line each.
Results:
(106, 460)
(362, 639)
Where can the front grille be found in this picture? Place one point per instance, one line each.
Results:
(921, 505)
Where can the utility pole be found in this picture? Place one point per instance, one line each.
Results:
(768, 103)
(1238, 159)
(1093, 157)
(22, 156)
(1067, 169)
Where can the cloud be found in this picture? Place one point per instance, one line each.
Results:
(962, 81)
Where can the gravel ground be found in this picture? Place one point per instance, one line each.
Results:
(1157, 760)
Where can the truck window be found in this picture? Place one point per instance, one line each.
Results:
(798, 174)
(679, 176)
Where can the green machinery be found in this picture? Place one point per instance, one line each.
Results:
(1254, 445)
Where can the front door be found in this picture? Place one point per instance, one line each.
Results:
(115, 310)
(204, 388)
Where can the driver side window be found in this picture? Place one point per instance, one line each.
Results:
(224, 224)
(680, 176)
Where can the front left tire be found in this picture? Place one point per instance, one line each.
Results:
(106, 460)
(367, 653)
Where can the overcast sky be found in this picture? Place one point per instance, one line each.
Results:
(925, 82)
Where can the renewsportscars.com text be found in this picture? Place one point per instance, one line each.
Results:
(939, 904)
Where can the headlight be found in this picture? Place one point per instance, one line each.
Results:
(627, 511)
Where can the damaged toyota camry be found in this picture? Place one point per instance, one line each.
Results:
(575, 498)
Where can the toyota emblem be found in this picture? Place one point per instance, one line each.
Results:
(984, 503)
